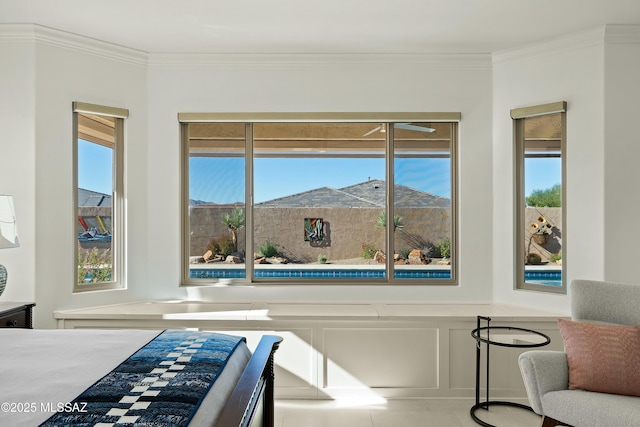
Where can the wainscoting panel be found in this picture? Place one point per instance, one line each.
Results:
(296, 359)
(462, 359)
(335, 351)
(378, 358)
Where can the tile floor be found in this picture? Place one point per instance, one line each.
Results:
(396, 413)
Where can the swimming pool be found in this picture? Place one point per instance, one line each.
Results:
(542, 277)
(316, 273)
(198, 273)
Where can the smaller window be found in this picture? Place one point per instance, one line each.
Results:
(540, 214)
(98, 175)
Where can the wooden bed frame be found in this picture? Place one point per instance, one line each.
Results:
(251, 402)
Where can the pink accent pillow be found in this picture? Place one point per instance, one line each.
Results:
(603, 358)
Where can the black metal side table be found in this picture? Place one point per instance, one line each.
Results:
(504, 336)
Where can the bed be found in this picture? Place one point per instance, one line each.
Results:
(46, 373)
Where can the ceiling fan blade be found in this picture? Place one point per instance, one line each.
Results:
(373, 131)
(409, 126)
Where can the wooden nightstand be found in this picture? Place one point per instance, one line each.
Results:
(16, 315)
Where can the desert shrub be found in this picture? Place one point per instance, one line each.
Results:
(94, 266)
(404, 253)
(268, 249)
(322, 259)
(443, 247)
(534, 258)
(369, 250)
(222, 245)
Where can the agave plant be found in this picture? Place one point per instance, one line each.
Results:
(398, 223)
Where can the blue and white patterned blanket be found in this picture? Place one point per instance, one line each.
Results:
(162, 384)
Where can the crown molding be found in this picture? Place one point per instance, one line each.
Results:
(38, 34)
(623, 34)
(17, 33)
(34, 33)
(319, 60)
(569, 42)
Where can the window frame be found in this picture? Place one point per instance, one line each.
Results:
(518, 115)
(118, 211)
(249, 119)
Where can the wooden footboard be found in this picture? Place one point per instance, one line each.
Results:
(251, 402)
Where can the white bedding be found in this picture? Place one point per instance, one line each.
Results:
(41, 368)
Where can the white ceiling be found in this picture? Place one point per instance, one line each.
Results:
(321, 26)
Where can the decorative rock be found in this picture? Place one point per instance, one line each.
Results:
(196, 260)
(207, 255)
(400, 261)
(233, 260)
(277, 260)
(416, 257)
(261, 260)
(444, 262)
(380, 257)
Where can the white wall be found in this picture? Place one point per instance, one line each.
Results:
(43, 71)
(622, 153)
(290, 83)
(107, 76)
(567, 69)
(17, 156)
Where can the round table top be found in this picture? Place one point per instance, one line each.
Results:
(508, 336)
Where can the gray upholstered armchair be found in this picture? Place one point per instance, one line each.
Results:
(546, 373)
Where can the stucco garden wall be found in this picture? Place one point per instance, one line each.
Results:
(89, 214)
(553, 217)
(345, 230)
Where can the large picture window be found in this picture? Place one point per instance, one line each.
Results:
(540, 213)
(303, 199)
(98, 173)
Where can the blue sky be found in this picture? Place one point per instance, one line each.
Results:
(221, 180)
(541, 173)
(94, 167)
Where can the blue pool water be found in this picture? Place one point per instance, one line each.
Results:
(542, 277)
(292, 273)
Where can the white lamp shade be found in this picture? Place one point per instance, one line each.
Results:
(8, 231)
